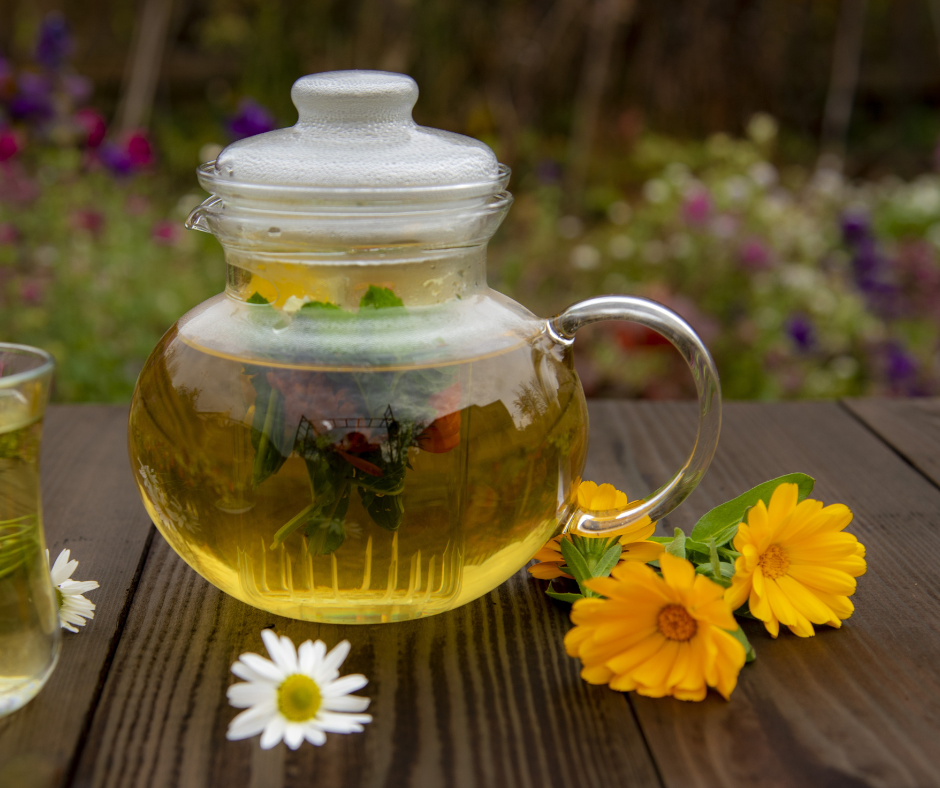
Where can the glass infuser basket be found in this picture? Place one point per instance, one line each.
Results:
(358, 429)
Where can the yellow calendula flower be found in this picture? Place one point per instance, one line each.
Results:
(633, 538)
(657, 635)
(797, 565)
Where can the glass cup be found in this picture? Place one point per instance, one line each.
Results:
(29, 620)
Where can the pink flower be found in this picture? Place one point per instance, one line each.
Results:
(10, 144)
(754, 254)
(139, 149)
(93, 125)
(697, 205)
(88, 220)
(8, 233)
(30, 292)
(165, 233)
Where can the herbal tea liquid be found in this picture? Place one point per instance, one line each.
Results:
(355, 495)
(29, 624)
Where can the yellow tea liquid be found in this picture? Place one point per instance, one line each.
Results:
(29, 624)
(356, 496)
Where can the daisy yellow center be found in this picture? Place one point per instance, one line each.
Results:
(59, 598)
(298, 698)
(675, 623)
(774, 562)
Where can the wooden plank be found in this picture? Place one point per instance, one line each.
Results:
(856, 706)
(911, 426)
(481, 696)
(90, 505)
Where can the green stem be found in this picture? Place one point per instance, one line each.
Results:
(265, 439)
(292, 525)
(713, 555)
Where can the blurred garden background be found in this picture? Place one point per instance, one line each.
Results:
(768, 169)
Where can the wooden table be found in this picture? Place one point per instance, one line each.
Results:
(485, 695)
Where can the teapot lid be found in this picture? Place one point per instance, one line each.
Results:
(355, 140)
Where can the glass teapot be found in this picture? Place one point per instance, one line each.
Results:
(358, 429)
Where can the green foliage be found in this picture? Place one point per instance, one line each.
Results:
(721, 523)
(379, 298)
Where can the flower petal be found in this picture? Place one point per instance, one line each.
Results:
(246, 694)
(677, 572)
(343, 686)
(346, 703)
(832, 581)
(273, 732)
(262, 667)
(294, 735)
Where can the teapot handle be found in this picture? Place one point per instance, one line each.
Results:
(562, 329)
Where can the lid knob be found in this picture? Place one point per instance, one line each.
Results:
(354, 97)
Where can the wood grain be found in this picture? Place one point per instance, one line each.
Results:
(90, 506)
(850, 707)
(481, 696)
(910, 426)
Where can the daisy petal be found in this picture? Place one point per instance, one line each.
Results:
(263, 667)
(273, 732)
(344, 685)
(294, 735)
(334, 659)
(244, 695)
(314, 735)
(346, 703)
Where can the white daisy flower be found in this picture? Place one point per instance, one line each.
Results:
(73, 607)
(298, 696)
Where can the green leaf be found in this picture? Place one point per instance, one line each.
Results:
(257, 298)
(387, 511)
(379, 298)
(676, 546)
(267, 431)
(726, 570)
(721, 523)
(608, 560)
(313, 306)
(326, 538)
(576, 564)
(738, 634)
(692, 546)
(561, 597)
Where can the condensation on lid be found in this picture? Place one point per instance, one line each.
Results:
(355, 131)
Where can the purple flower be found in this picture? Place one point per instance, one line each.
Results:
(77, 87)
(755, 255)
(134, 154)
(116, 159)
(901, 370)
(33, 98)
(251, 119)
(856, 227)
(801, 331)
(54, 43)
(548, 172)
(697, 206)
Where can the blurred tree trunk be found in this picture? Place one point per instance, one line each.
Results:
(606, 18)
(843, 80)
(143, 68)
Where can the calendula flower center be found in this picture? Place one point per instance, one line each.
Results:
(675, 623)
(774, 562)
(298, 698)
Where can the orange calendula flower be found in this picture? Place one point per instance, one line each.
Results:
(633, 538)
(657, 635)
(797, 565)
